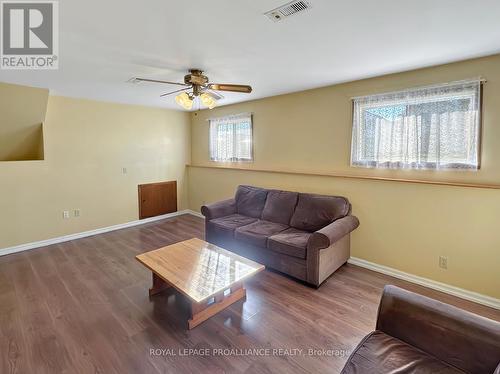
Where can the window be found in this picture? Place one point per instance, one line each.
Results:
(231, 138)
(424, 128)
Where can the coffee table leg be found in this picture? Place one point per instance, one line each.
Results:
(159, 285)
(200, 312)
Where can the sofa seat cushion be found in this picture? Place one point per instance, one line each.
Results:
(250, 201)
(291, 242)
(226, 225)
(381, 353)
(257, 233)
(313, 212)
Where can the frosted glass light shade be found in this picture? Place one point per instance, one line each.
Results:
(208, 100)
(184, 101)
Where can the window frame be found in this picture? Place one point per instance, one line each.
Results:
(232, 159)
(479, 132)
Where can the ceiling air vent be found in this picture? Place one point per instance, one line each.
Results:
(288, 10)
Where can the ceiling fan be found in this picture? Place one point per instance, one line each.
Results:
(196, 84)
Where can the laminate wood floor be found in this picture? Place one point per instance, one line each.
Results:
(83, 307)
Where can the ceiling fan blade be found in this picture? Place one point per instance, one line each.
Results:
(158, 81)
(215, 95)
(230, 87)
(170, 93)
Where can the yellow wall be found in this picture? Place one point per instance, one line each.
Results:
(403, 226)
(22, 112)
(87, 143)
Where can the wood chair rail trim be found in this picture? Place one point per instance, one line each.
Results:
(350, 176)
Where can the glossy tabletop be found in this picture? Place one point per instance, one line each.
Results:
(199, 269)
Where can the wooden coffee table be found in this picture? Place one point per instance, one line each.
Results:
(209, 276)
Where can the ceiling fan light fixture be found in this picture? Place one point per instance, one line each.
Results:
(208, 100)
(196, 84)
(184, 101)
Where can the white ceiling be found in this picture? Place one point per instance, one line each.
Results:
(104, 43)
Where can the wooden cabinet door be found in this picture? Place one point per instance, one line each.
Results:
(157, 198)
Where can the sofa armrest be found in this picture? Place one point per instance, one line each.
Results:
(219, 209)
(460, 338)
(332, 233)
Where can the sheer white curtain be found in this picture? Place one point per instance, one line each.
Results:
(426, 128)
(231, 138)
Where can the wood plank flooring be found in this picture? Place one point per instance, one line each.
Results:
(83, 307)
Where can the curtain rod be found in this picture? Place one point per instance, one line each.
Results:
(472, 80)
(231, 116)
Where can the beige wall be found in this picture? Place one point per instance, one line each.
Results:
(403, 226)
(22, 112)
(87, 143)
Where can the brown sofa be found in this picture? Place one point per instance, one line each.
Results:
(416, 334)
(303, 235)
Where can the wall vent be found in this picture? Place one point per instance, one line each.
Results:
(288, 10)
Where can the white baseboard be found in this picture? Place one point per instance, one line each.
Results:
(65, 238)
(443, 287)
(194, 213)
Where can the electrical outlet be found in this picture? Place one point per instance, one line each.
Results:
(443, 262)
(76, 212)
(65, 214)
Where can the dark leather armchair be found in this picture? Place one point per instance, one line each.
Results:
(417, 334)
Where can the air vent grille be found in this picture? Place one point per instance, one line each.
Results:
(288, 10)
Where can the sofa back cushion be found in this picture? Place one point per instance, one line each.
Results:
(279, 206)
(250, 201)
(313, 212)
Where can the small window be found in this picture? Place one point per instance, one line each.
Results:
(231, 138)
(424, 128)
